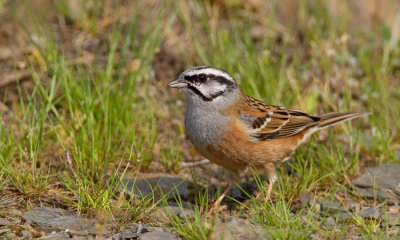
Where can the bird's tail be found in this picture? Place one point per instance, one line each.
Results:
(335, 118)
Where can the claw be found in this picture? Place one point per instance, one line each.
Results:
(215, 205)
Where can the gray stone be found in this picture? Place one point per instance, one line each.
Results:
(354, 207)
(332, 207)
(330, 221)
(4, 230)
(4, 222)
(394, 231)
(344, 216)
(14, 220)
(152, 229)
(58, 236)
(97, 229)
(129, 235)
(306, 200)
(368, 213)
(158, 235)
(371, 212)
(393, 219)
(73, 232)
(14, 212)
(239, 229)
(316, 237)
(52, 217)
(159, 185)
(10, 235)
(385, 179)
(26, 234)
(316, 207)
(357, 237)
(163, 214)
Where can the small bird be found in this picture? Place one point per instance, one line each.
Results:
(239, 132)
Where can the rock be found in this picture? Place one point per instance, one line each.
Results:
(158, 235)
(58, 236)
(163, 213)
(385, 179)
(26, 234)
(4, 230)
(238, 228)
(316, 206)
(10, 235)
(332, 207)
(160, 185)
(152, 229)
(344, 216)
(316, 237)
(357, 237)
(130, 233)
(14, 220)
(73, 232)
(393, 219)
(4, 222)
(354, 207)
(14, 212)
(394, 209)
(97, 229)
(371, 212)
(368, 213)
(52, 217)
(394, 231)
(242, 192)
(330, 222)
(127, 236)
(306, 200)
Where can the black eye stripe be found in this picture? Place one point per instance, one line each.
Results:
(207, 99)
(190, 78)
(201, 78)
(196, 91)
(223, 81)
(209, 80)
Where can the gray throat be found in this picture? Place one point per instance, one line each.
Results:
(204, 122)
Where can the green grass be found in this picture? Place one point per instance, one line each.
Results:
(113, 118)
(194, 224)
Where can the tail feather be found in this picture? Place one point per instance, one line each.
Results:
(335, 118)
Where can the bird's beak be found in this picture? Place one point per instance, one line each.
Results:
(178, 83)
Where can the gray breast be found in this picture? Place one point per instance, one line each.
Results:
(204, 127)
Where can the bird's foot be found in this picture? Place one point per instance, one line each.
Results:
(215, 207)
(268, 193)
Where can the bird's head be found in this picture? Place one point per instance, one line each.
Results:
(207, 84)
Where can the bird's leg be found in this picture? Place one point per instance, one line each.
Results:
(267, 196)
(268, 193)
(215, 205)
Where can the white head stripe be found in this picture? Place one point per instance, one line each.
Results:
(209, 71)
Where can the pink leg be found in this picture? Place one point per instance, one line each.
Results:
(215, 205)
(267, 197)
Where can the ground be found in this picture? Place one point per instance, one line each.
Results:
(92, 141)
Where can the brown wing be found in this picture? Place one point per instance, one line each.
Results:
(272, 122)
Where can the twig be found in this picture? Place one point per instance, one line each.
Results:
(8, 78)
(194, 164)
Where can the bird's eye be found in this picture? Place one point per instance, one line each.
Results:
(202, 78)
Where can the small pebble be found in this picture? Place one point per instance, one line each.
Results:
(157, 235)
(330, 221)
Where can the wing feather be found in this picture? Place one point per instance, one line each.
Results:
(272, 122)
